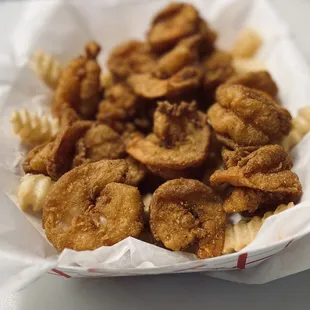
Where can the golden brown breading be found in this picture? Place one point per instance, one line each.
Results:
(266, 171)
(184, 211)
(218, 68)
(99, 142)
(79, 86)
(180, 140)
(131, 57)
(90, 207)
(247, 117)
(185, 53)
(119, 103)
(260, 80)
(36, 160)
(55, 158)
(173, 23)
(150, 87)
(136, 171)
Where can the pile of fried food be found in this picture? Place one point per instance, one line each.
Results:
(175, 137)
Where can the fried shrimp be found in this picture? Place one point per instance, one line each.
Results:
(79, 85)
(131, 57)
(55, 158)
(150, 87)
(259, 80)
(119, 103)
(218, 68)
(185, 211)
(99, 142)
(91, 206)
(246, 117)
(176, 22)
(262, 176)
(180, 140)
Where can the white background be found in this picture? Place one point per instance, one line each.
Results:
(163, 292)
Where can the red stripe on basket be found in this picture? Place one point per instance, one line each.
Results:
(258, 260)
(242, 260)
(61, 273)
(289, 243)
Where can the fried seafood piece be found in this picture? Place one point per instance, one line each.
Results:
(119, 103)
(55, 158)
(131, 57)
(92, 206)
(260, 80)
(218, 69)
(180, 140)
(99, 142)
(102, 142)
(185, 211)
(262, 176)
(185, 53)
(246, 117)
(136, 171)
(150, 87)
(175, 22)
(79, 85)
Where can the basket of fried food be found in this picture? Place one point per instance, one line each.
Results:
(164, 143)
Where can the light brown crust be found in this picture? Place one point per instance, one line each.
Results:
(266, 171)
(184, 211)
(131, 57)
(99, 142)
(181, 138)
(79, 85)
(218, 69)
(259, 80)
(175, 22)
(248, 117)
(149, 86)
(85, 208)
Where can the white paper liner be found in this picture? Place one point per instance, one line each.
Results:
(62, 29)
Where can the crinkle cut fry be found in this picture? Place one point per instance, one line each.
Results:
(32, 191)
(244, 232)
(33, 129)
(300, 127)
(47, 67)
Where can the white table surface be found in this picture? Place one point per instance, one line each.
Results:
(163, 292)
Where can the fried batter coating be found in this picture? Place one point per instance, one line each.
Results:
(185, 53)
(260, 80)
(136, 171)
(247, 117)
(79, 86)
(150, 87)
(102, 142)
(90, 207)
(262, 176)
(218, 68)
(131, 57)
(175, 22)
(55, 158)
(184, 211)
(119, 103)
(99, 142)
(180, 140)
(36, 159)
